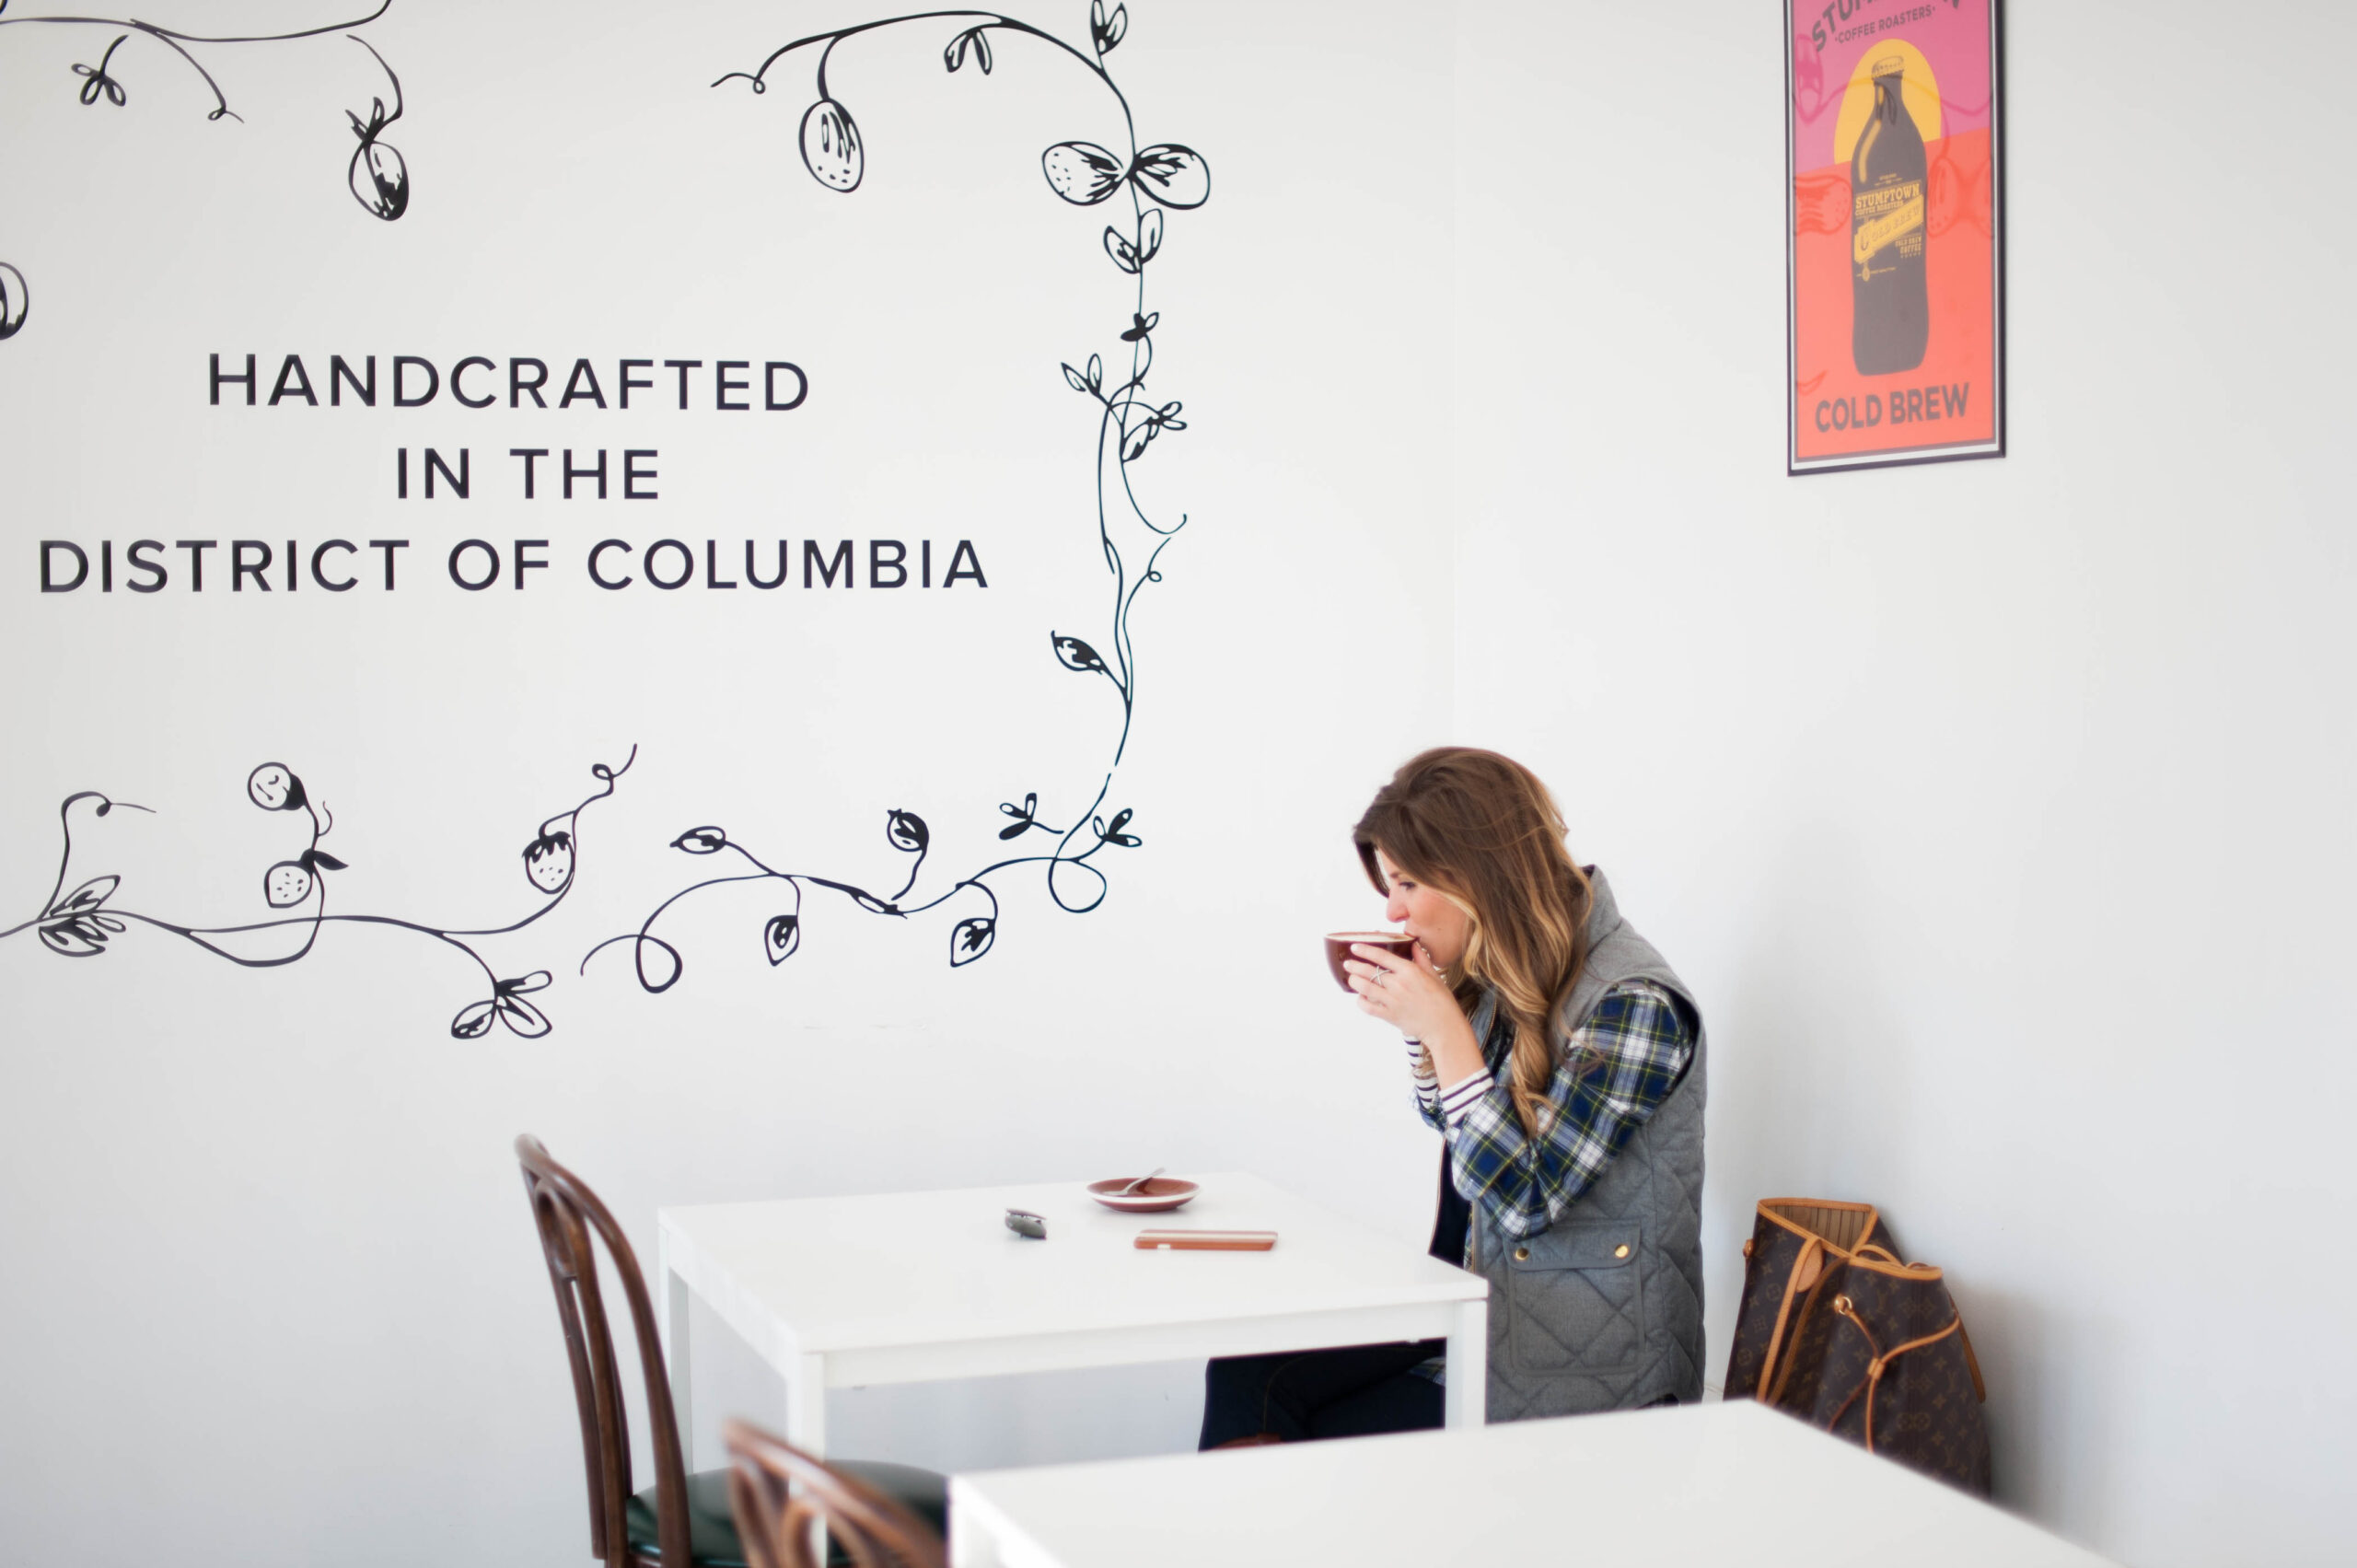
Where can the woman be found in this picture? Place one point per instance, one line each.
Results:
(1561, 1062)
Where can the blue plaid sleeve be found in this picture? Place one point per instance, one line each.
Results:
(1618, 1067)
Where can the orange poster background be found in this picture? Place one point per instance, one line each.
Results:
(1959, 276)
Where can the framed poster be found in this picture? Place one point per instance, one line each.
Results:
(1895, 234)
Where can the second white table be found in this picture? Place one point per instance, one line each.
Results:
(914, 1286)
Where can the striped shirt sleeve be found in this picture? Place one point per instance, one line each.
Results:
(1618, 1068)
(1426, 1084)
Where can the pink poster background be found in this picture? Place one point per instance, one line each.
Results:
(1953, 35)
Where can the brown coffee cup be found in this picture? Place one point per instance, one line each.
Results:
(1338, 947)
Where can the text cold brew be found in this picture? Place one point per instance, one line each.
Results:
(1891, 318)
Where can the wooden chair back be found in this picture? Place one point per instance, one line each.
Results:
(568, 1216)
(778, 1493)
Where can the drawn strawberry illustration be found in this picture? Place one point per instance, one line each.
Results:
(830, 145)
(289, 882)
(548, 861)
(14, 301)
(274, 787)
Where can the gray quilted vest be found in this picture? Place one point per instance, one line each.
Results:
(1604, 1311)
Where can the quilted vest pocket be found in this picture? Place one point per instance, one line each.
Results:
(1575, 1299)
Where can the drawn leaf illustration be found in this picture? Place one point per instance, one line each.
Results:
(518, 1015)
(780, 936)
(77, 938)
(831, 150)
(1022, 814)
(1111, 833)
(474, 1019)
(88, 896)
(1105, 31)
(522, 1018)
(1079, 382)
(906, 830)
(1141, 326)
(701, 840)
(97, 83)
(1173, 175)
(1124, 254)
(320, 859)
(955, 55)
(971, 939)
(1150, 235)
(1075, 654)
(871, 903)
(1095, 373)
(1081, 172)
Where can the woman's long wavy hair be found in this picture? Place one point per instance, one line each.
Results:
(1482, 830)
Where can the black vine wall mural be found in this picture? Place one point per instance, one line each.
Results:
(1156, 178)
(81, 923)
(1059, 839)
(377, 176)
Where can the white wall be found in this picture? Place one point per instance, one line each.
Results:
(1998, 810)
(270, 1293)
(1994, 809)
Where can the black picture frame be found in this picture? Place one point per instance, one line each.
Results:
(1797, 41)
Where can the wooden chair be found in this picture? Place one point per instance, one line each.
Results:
(682, 1520)
(780, 1492)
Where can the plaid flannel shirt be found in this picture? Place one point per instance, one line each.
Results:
(1635, 1047)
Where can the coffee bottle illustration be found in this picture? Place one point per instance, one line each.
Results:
(1890, 315)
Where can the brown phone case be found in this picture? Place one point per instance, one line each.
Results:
(1206, 1240)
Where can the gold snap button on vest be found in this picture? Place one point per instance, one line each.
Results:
(1621, 1251)
(1522, 1254)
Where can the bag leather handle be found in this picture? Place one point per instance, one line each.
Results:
(1811, 1264)
(1883, 1358)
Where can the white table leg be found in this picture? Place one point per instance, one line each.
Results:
(805, 1405)
(972, 1542)
(806, 1426)
(1466, 1396)
(671, 1301)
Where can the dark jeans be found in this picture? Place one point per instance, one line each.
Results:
(1347, 1392)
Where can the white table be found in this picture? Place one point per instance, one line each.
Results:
(908, 1288)
(1696, 1484)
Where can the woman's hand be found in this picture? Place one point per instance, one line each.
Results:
(1410, 995)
